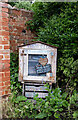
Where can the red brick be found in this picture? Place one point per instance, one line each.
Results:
(5, 28)
(7, 65)
(6, 37)
(13, 20)
(5, 70)
(14, 44)
(0, 27)
(7, 73)
(14, 34)
(1, 84)
(0, 13)
(7, 83)
(1, 74)
(5, 42)
(5, 19)
(16, 12)
(0, 93)
(0, 39)
(0, 47)
(0, 32)
(1, 56)
(1, 67)
(6, 92)
(8, 87)
(4, 51)
(5, 14)
(7, 56)
(5, 61)
(6, 47)
(6, 78)
(5, 9)
(4, 23)
(1, 88)
(1, 77)
(4, 33)
(3, 92)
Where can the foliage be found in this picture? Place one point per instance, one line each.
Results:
(38, 108)
(11, 3)
(24, 5)
(73, 105)
(56, 24)
(15, 85)
(55, 106)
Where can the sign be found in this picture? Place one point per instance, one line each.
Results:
(33, 60)
(43, 61)
(43, 69)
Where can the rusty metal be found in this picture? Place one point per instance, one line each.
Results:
(22, 51)
(23, 54)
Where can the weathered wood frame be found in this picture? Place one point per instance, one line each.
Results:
(37, 49)
(39, 52)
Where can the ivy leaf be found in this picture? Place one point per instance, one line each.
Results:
(61, 109)
(21, 98)
(75, 114)
(56, 115)
(41, 115)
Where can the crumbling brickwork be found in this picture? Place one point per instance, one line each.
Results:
(18, 30)
(4, 51)
(13, 32)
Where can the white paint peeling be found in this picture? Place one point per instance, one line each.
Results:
(37, 48)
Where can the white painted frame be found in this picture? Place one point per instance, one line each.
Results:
(37, 48)
(35, 78)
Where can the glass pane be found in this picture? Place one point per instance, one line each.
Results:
(32, 62)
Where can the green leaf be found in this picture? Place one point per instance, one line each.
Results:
(60, 109)
(56, 115)
(21, 98)
(41, 115)
(47, 104)
(75, 114)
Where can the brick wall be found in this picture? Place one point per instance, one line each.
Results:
(12, 23)
(17, 20)
(4, 51)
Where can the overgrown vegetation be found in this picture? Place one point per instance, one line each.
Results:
(55, 106)
(21, 5)
(55, 24)
(16, 87)
(24, 5)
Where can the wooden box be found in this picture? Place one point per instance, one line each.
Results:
(37, 65)
(37, 62)
(30, 90)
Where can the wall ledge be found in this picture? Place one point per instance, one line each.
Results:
(5, 5)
